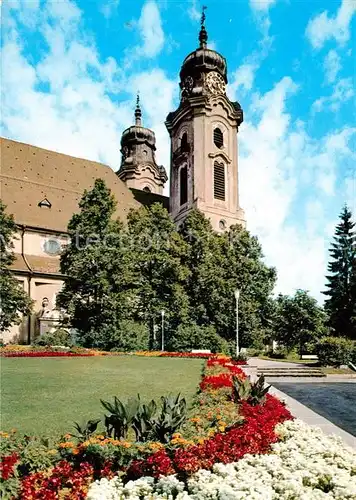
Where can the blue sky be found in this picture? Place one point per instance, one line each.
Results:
(71, 70)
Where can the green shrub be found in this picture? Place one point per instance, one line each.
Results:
(127, 335)
(59, 337)
(193, 336)
(334, 351)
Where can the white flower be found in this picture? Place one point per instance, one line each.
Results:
(305, 465)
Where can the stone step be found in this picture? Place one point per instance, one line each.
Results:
(290, 372)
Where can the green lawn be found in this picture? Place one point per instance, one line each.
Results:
(44, 396)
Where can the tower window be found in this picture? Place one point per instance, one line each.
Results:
(147, 189)
(183, 184)
(219, 181)
(184, 142)
(218, 138)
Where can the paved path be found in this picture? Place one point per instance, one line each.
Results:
(266, 363)
(298, 409)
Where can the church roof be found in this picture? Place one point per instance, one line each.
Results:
(147, 199)
(42, 188)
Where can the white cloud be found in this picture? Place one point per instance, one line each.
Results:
(157, 94)
(77, 116)
(325, 26)
(261, 5)
(343, 92)
(109, 7)
(150, 26)
(193, 11)
(243, 78)
(332, 65)
(278, 162)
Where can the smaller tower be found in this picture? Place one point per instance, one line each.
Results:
(138, 168)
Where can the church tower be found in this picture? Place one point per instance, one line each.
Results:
(139, 169)
(203, 132)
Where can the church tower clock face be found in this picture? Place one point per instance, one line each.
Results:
(215, 83)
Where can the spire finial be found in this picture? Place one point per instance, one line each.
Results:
(138, 113)
(203, 35)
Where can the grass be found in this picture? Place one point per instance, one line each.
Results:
(44, 396)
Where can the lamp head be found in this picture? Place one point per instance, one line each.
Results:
(237, 294)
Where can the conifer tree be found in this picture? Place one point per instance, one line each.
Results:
(340, 302)
(14, 301)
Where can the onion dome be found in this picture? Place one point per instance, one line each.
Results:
(203, 60)
(137, 133)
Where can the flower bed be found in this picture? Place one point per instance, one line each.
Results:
(19, 351)
(304, 464)
(218, 431)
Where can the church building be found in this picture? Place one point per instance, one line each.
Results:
(41, 188)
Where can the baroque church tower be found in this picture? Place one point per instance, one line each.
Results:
(203, 132)
(139, 169)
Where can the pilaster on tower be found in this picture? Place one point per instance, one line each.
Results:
(203, 133)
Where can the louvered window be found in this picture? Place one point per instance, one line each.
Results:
(219, 181)
(218, 138)
(184, 143)
(183, 174)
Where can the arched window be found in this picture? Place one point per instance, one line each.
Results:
(219, 181)
(183, 185)
(218, 138)
(184, 142)
(147, 189)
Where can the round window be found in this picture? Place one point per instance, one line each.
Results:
(52, 247)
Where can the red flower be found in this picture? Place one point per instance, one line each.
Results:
(7, 465)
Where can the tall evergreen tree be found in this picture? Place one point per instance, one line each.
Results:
(14, 301)
(97, 266)
(340, 303)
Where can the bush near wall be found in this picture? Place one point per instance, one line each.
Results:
(335, 351)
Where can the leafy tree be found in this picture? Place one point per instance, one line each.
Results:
(96, 263)
(298, 320)
(159, 274)
(219, 264)
(14, 300)
(341, 287)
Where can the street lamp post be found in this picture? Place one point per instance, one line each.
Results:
(162, 313)
(237, 296)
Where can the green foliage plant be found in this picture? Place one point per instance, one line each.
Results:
(172, 415)
(121, 416)
(84, 431)
(335, 351)
(142, 423)
(252, 392)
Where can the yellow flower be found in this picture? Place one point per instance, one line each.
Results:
(4, 434)
(51, 452)
(67, 444)
(221, 428)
